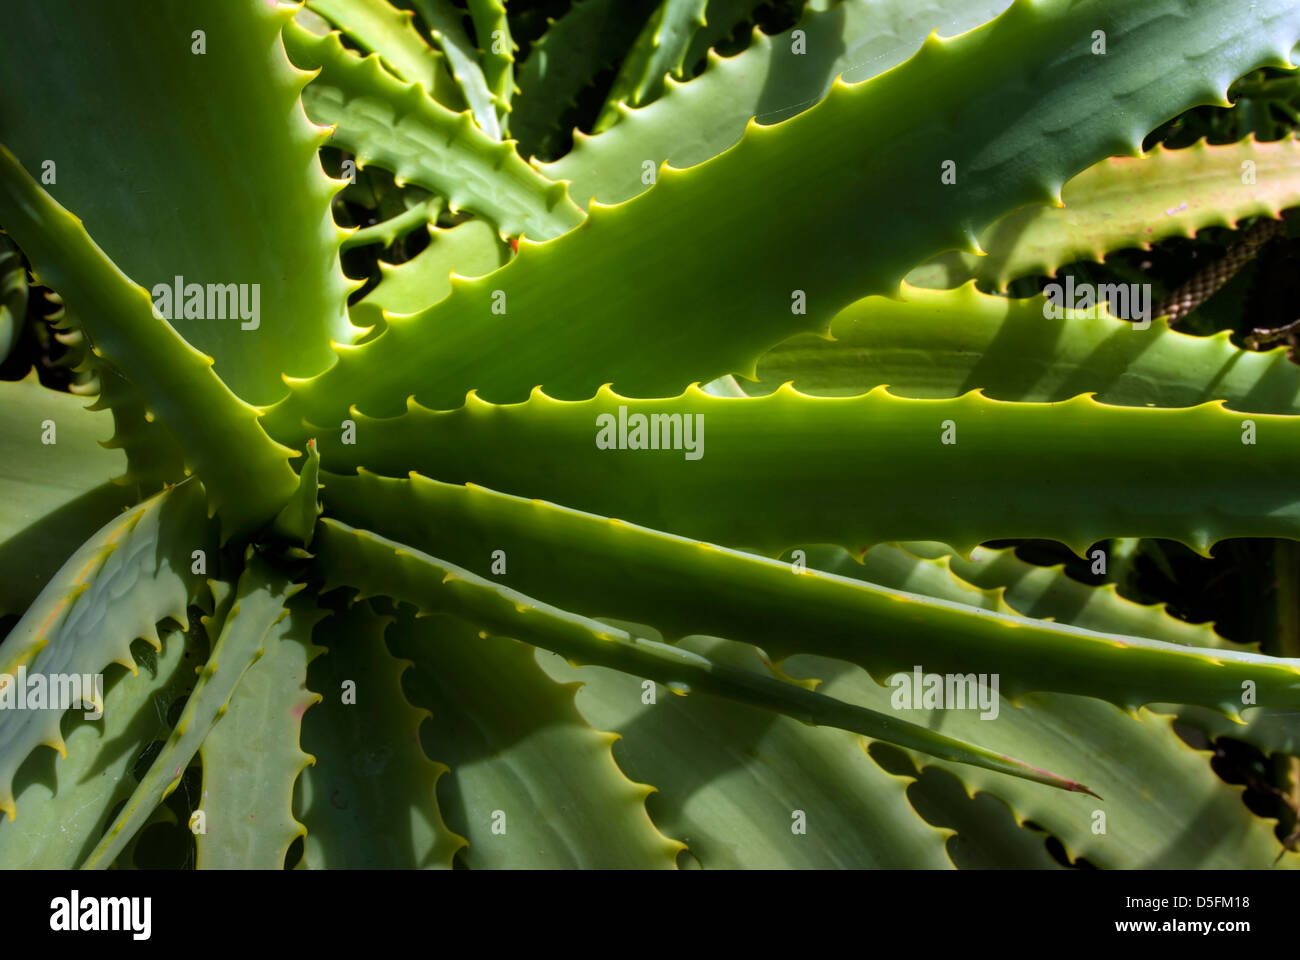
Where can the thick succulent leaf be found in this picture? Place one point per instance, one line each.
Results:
(592, 35)
(154, 458)
(369, 800)
(398, 127)
(375, 565)
(873, 161)
(722, 18)
(64, 802)
(297, 521)
(52, 495)
(1129, 202)
(1271, 730)
(258, 604)
(1137, 763)
(251, 757)
(768, 82)
(423, 213)
(1049, 593)
(442, 18)
(943, 343)
(236, 159)
(596, 567)
(659, 50)
(497, 52)
(731, 783)
(13, 296)
(384, 30)
(246, 475)
(960, 471)
(77, 625)
(987, 835)
(470, 249)
(1167, 772)
(531, 784)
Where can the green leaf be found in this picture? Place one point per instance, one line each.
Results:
(991, 469)
(52, 495)
(1129, 202)
(876, 151)
(595, 567)
(987, 835)
(730, 782)
(943, 343)
(397, 126)
(531, 784)
(722, 19)
(77, 626)
(1050, 593)
(246, 475)
(497, 51)
(1137, 763)
(227, 191)
(380, 28)
(423, 213)
(470, 249)
(769, 82)
(297, 521)
(64, 802)
(378, 566)
(659, 51)
(592, 35)
(443, 21)
(369, 800)
(259, 603)
(251, 757)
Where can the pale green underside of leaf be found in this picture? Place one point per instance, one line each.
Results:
(229, 193)
(442, 18)
(251, 757)
(497, 52)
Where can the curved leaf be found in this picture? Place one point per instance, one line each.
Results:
(531, 784)
(246, 475)
(249, 206)
(77, 625)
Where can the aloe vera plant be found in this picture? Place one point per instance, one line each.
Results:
(415, 484)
